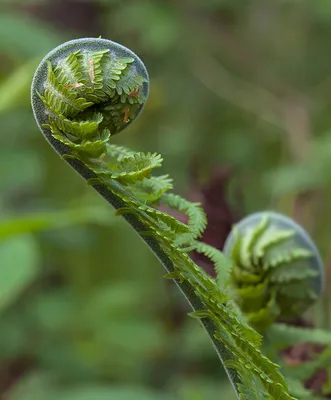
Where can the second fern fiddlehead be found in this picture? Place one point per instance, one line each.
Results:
(278, 270)
(83, 93)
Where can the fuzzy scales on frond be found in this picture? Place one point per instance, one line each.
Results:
(88, 97)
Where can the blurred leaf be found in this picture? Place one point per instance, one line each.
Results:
(78, 342)
(13, 122)
(106, 305)
(55, 220)
(130, 337)
(58, 354)
(19, 267)
(15, 334)
(156, 23)
(238, 155)
(32, 386)
(305, 176)
(321, 150)
(53, 311)
(117, 298)
(15, 89)
(37, 387)
(201, 389)
(194, 341)
(292, 179)
(107, 393)
(19, 169)
(23, 37)
(323, 10)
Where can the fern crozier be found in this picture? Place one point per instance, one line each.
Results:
(278, 269)
(83, 93)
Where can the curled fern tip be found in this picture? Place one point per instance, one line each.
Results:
(278, 270)
(87, 90)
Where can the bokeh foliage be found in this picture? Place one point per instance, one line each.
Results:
(84, 311)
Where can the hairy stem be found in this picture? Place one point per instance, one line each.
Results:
(185, 287)
(83, 93)
(115, 201)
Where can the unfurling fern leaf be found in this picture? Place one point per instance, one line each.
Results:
(83, 93)
(278, 270)
(222, 264)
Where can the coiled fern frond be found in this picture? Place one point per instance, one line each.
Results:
(83, 93)
(278, 271)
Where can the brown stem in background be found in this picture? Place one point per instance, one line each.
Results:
(297, 125)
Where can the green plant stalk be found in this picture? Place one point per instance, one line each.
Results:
(237, 345)
(117, 203)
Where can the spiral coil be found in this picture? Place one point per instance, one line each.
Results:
(278, 271)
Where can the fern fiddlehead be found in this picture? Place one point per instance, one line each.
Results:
(84, 92)
(278, 270)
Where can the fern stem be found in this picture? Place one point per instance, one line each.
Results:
(185, 287)
(84, 92)
(117, 203)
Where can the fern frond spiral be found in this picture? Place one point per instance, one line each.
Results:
(84, 92)
(278, 270)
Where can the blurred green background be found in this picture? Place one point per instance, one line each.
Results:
(240, 109)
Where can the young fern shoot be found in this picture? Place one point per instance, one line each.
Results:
(278, 270)
(84, 92)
